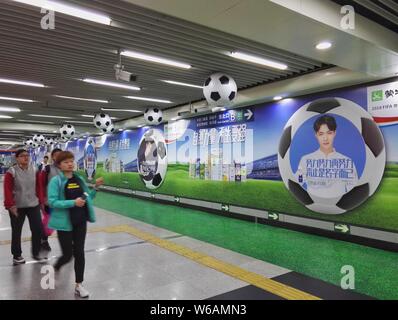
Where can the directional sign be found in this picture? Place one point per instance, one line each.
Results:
(225, 207)
(176, 199)
(342, 228)
(273, 216)
(248, 114)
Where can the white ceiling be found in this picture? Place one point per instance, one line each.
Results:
(190, 31)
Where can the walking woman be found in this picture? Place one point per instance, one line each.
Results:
(71, 206)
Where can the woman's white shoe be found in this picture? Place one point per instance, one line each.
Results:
(81, 291)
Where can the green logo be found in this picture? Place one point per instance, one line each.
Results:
(377, 95)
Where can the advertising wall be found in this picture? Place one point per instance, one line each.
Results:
(231, 157)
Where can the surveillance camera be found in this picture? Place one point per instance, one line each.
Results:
(125, 76)
(122, 75)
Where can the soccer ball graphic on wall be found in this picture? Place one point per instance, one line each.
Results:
(90, 159)
(331, 155)
(152, 158)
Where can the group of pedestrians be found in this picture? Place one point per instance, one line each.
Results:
(52, 197)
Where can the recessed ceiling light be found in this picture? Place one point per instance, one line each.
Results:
(15, 99)
(148, 99)
(69, 10)
(112, 84)
(48, 116)
(83, 99)
(277, 98)
(258, 60)
(120, 130)
(10, 109)
(22, 83)
(120, 110)
(183, 84)
(150, 58)
(323, 45)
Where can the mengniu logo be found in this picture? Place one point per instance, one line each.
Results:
(377, 95)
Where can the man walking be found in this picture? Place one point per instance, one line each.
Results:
(21, 199)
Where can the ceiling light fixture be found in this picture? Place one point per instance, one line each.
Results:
(15, 99)
(34, 121)
(92, 116)
(277, 98)
(5, 117)
(84, 122)
(258, 60)
(83, 99)
(150, 58)
(111, 84)
(148, 99)
(22, 83)
(48, 116)
(69, 10)
(323, 45)
(183, 84)
(120, 110)
(10, 109)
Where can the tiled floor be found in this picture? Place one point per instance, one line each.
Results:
(121, 266)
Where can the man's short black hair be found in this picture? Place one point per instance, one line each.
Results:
(19, 151)
(55, 150)
(328, 120)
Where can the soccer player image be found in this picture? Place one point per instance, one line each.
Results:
(326, 173)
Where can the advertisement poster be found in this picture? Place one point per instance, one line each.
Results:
(383, 103)
(231, 157)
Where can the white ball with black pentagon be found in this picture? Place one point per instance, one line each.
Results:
(220, 90)
(28, 143)
(49, 141)
(39, 139)
(374, 147)
(109, 129)
(153, 116)
(35, 145)
(102, 121)
(152, 158)
(67, 130)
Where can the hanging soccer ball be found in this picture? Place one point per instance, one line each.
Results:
(28, 143)
(109, 129)
(35, 145)
(152, 158)
(38, 139)
(102, 121)
(220, 90)
(67, 130)
(331, 155)
(153, 116)
(49, 141)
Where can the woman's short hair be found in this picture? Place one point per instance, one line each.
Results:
(64, 155)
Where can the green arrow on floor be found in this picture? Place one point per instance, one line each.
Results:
(225, 207)
(343, 228)
(273, 216)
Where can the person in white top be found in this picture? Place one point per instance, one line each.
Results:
(326, 173)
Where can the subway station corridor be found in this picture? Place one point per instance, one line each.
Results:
(121, 264)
